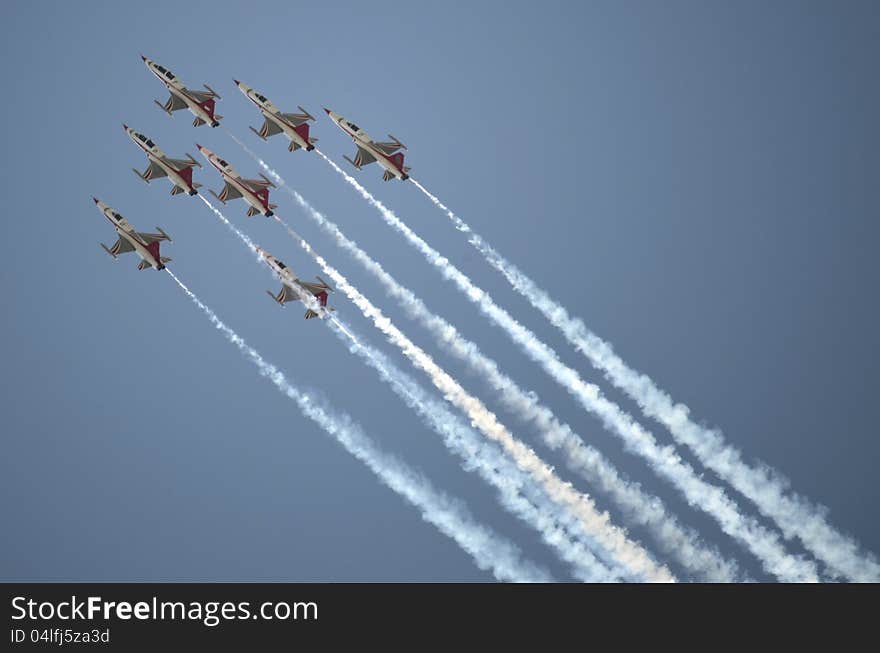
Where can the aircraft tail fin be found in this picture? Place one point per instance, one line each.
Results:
(397, 159)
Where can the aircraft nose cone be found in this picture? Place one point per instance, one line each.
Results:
(200, 147)
(237, 83)
(143, 57)
(95, 199)
(327, 110)
(125, 127)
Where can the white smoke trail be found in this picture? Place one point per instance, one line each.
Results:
(241, 236)
(639, 507)
(586, 566)
(795, 515)
(596, 524)
(763, 543)
(517, 493)
(489, 551)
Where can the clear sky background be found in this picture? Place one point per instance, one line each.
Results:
(697, 180)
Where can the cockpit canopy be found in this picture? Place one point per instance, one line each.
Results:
(354, 126)
(223, 163)
(146, 140)
(165, 71)
(281, 265)
(261, 98)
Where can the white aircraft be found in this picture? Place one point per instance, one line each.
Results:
(369, 150)
(294, 289)
(200, 103)
(178, 171)
(254, 191)
(292, 125)
(146, 245)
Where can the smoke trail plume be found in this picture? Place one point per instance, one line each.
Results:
(639, 508)
(517, 494)
(586, 566)
(488, 550)
(763, 543)
(795, 515)
(596, 524)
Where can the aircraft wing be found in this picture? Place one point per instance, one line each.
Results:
(296, 119)
(121, 246)
(152, 238)
(363, 158)
(287, 294)
(229, 192)
(200, 96)
(268, 129)
(255, 184)
(174, 103)
(180, 164)
(387, 147)
(153, 171)
(313, 288)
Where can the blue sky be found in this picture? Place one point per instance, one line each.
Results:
(697, 180)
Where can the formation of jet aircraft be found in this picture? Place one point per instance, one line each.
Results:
(255, 192)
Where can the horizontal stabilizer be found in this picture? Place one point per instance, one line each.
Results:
(310, 314)
(143, 265)
(252, 212)
(177, 190)
(388, 175)
(198, 122)
(165, 259)
(293, 146)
